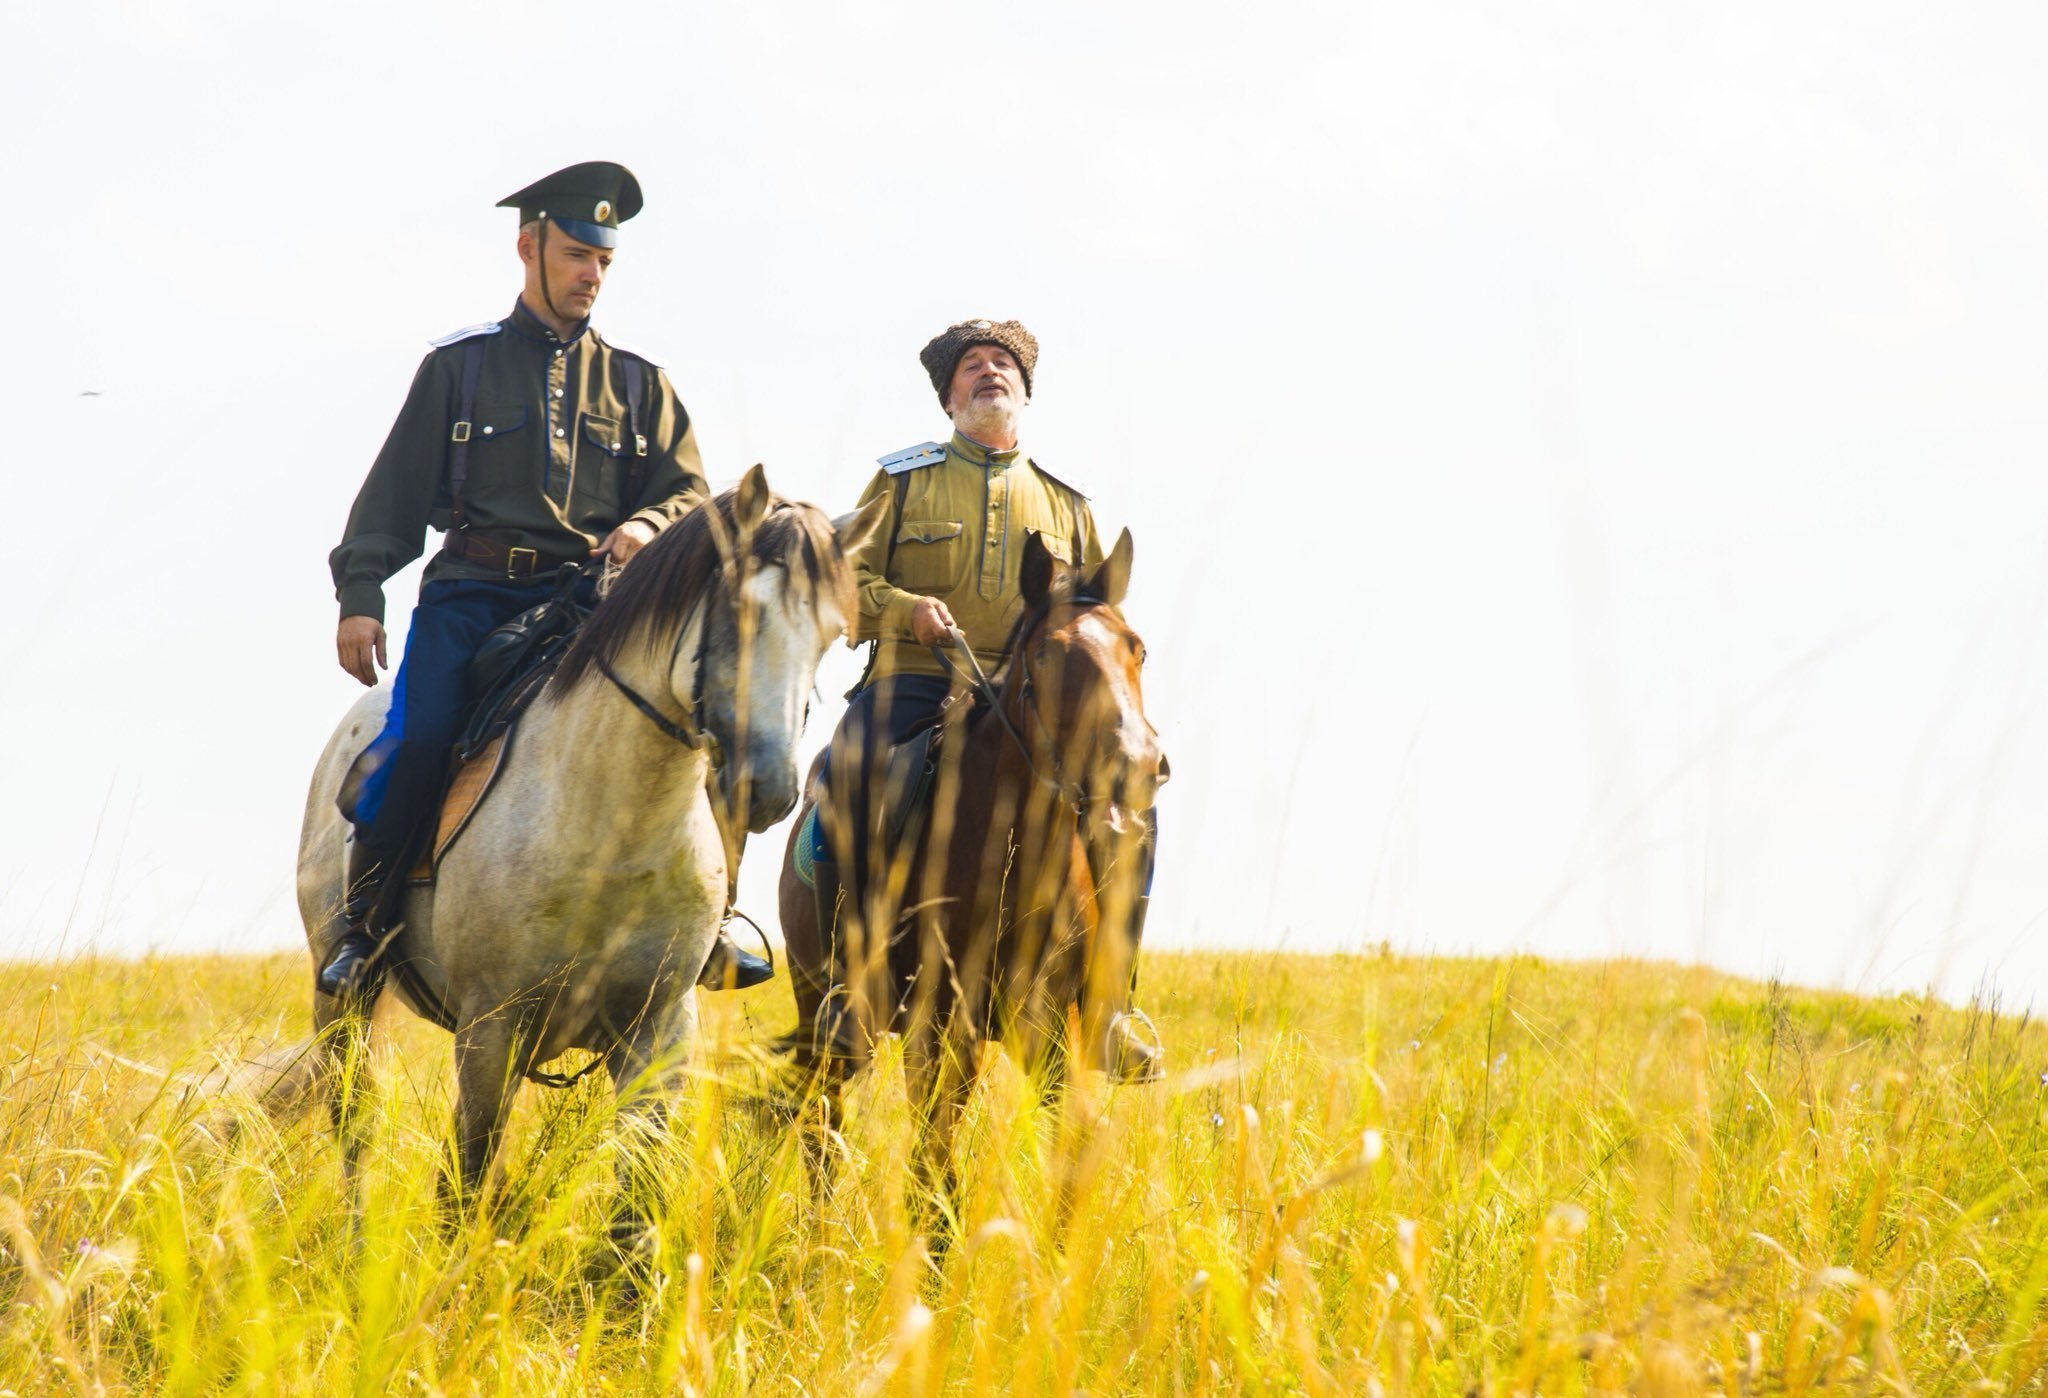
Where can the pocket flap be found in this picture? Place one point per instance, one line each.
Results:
(602, 433)
(496, 422)
(927, 531)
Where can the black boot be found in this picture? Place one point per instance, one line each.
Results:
(1132, 1051)
(729, 967)
(836, 1033)
(351, 972)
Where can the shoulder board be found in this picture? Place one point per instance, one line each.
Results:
(910, 458)
(1067, 481)
(635, 351)
(489, 327)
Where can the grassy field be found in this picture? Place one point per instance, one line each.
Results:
(1368, 1174)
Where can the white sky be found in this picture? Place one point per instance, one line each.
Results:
(1586, 459)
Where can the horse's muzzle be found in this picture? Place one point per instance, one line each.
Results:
(769, 794)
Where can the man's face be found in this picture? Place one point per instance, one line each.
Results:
(576, 271)
(986, 379)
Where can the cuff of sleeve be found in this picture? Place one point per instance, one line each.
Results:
(362, 599)
(894, 622)
(653, 517)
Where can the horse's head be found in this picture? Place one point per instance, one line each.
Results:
(733, 607)
(1075, 667)
(790, 594)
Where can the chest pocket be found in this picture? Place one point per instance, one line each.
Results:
(600, 466)
(498, 442)
(931, 555)
(493, 423)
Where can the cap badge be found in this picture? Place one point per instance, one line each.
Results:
(983, 325)
(603, 210)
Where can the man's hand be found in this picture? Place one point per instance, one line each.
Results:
(930, 621)
(358, 639)
(625, 541)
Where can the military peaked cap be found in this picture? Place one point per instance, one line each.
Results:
(942, 356)
(587, 201)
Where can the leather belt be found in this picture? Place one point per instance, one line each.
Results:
(473, 546)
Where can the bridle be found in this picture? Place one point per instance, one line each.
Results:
(1070, 793)
(690, 731)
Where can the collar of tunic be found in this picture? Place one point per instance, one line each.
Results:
(526, 323)
(975, 454)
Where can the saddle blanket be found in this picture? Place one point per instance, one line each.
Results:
(466, 792)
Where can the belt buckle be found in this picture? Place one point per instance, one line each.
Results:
(512, 561)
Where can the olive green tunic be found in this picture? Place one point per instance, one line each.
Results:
(956, 532)
(550, 458)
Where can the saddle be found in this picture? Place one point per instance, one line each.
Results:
(901, 791)
(508, 672)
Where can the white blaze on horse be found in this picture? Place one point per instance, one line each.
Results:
(583, 895)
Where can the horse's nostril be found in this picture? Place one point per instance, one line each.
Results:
(1165, 770)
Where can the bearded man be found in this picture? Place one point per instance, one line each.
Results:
(949, 556)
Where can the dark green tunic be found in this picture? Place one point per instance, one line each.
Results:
(551, 458)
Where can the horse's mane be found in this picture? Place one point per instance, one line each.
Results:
(1071, 590)
(650, 600)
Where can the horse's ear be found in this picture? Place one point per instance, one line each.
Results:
(857, 528)
(750, 502)
(1113, 575)
(1037, 571)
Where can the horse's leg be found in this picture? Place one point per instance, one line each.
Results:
(485, 1081)
(341, 1067)
(646, 1069)
(938, 1074)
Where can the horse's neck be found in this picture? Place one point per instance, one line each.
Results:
(604, 754)
(991, 760)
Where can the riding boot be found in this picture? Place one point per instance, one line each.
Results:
(1132, 1050)
(730, 967)
(351, 971)
(836, 1034)
(1131, 1054)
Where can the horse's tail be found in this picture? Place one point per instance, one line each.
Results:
(281, 1082)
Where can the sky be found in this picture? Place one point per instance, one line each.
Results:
(1585, 460)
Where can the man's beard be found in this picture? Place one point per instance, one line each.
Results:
(988, 419)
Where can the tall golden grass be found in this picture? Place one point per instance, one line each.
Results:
(1368, 1174)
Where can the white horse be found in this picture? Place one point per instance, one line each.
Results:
(581, 900)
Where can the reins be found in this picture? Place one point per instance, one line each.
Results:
(974, 677)
(689, 732)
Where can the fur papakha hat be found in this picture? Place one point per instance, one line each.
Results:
(942, 356)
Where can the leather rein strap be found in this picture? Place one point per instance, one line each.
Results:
(974, 677)
(690, 732)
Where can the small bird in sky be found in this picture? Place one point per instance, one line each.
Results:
(89, 393)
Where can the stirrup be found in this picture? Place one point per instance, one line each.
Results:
(730, 966)
(1119, 1037)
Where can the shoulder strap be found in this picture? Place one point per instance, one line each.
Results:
(636, 382)
(458, 463)
(896, 524)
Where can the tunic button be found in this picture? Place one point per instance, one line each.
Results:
(487, 431)
(558, 354)
(560, 433)
(558, 393)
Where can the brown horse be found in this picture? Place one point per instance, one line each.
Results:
(995, 924)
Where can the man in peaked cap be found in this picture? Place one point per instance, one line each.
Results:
(951, 555)
(534, 442)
